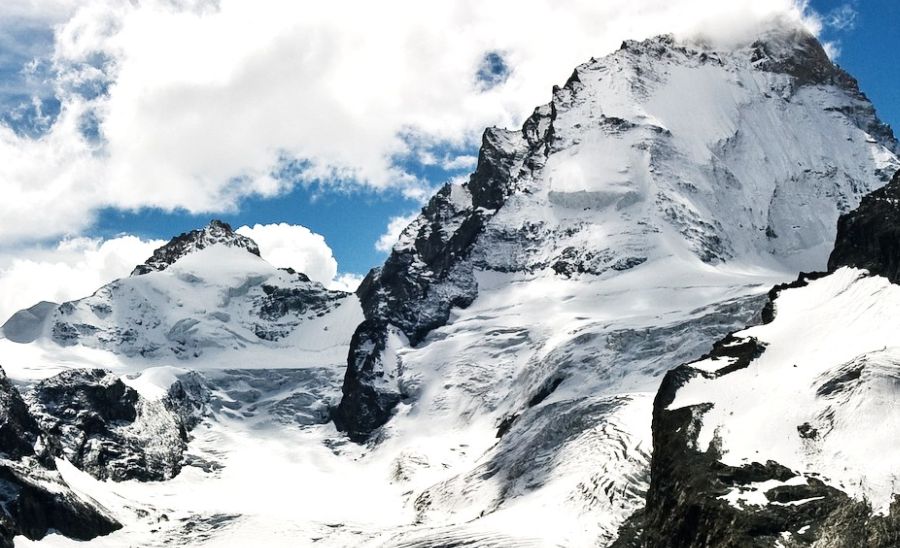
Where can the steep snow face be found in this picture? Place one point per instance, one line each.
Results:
(217, 298)
(820, 399)
(660, 151)
(663, 149)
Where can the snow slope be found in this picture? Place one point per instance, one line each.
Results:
(821, 397)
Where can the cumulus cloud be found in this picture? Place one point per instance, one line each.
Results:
(237, 94)
(298, 247)
(392, 233)
(70, 270)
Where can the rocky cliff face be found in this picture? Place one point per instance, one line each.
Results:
(769, 439)
(35, 499)
(102, 426)
(869, 236)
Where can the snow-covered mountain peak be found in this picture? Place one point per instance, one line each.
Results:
(216, 232)
(705, 159)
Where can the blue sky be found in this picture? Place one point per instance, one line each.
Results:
(868, 50)
(353, 216)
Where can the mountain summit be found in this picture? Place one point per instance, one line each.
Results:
(663, 152)
(216, 232)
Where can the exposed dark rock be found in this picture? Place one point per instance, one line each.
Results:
(34, 499)
(19, 432)
(431, 270)
(103, 427)
(869, 236)
(365, 405)
(414, 291)
(685, 505)
(799, 54)
(216, 232)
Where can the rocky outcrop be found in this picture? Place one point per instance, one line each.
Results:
(216, 232)
(102, 426)
(869, 236)
(34, 499)
(687, 501)
(429, 272)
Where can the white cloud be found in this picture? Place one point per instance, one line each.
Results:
(298, 247)
(72, 269)
(202, 99)
(394, 228)
(346, 282)
(842, 17)
(460, 162)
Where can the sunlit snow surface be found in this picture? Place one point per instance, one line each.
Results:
(831, 362)
(654, 164)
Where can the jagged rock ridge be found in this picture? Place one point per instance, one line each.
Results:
(216, 232)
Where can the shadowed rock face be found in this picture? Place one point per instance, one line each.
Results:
(216, 232)
(102, 426)
(869, 236)
(421, 281)
(34, 499)
(684, 508)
